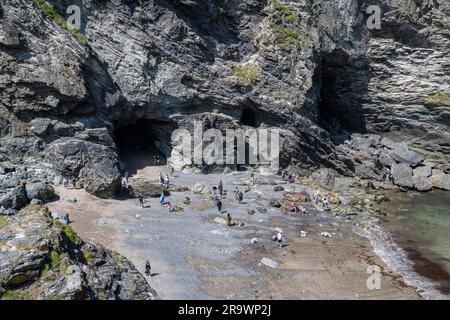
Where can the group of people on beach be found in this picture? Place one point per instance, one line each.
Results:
(67, 182)
(320, 200)
(218, 194)
(156, 160)
(295, 208)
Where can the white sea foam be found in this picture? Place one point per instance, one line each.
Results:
(396, 258)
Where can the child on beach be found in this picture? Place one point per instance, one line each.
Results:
(229, 220)
(294, 207)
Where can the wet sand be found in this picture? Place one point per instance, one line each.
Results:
(194, 257)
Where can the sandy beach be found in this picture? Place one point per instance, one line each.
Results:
(194, 257)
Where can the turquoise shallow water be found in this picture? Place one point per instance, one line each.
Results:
(420, 223)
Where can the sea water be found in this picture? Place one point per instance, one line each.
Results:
(419, 224)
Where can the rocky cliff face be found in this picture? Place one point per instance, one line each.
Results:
(310, 68)
(41, 258)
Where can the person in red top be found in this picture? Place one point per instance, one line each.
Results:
(294, 207)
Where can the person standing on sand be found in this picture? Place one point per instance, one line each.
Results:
(219, 205)
(252, 179)
(240, 196)
(220, 187)
(158, 160)
(172, 170)
(66, 183)
(316, 197)
(124, 183)
(74, 183)
(167, 181)
(148, 269)
(66, 218)
(162, 197)
(161, 178)
(141, 200)
(280, 239)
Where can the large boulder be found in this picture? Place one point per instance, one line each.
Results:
(297, 197)
(43, 191)
(441, 181)
(423, 171)
(95, 164)
(6, 167)
(385, 158)
(8, 181)
(407, 156)
(402, 174)
(400, 152)
(422, 183)
(101, 179)
(199, 188)
(16, 198)
(421, 178)
(144, 186)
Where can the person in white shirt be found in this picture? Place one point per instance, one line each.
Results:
(280, 239)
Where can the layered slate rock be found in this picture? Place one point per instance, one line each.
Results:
(41, 258)
(313, 71)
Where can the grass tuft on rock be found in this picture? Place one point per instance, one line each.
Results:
(88, 257)
(246, 74)
(286, 12)
(15, 295)
(284, 22)
(50, 12)
(69, 233)
(440, 99)
(287, 34)
(3, 222)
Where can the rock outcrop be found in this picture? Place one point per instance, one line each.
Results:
(312, 69)
(41, 258)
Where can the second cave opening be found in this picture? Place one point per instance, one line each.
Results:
(344, 82)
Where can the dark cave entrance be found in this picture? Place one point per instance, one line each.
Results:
(344, 82)
(142, 142)
(248, 117)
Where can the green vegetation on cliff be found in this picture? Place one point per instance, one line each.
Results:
(285, 22)
(246, 73)
(69, 233)
(288, 14)
(440, 98)
(3, 222)
(50, 12)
